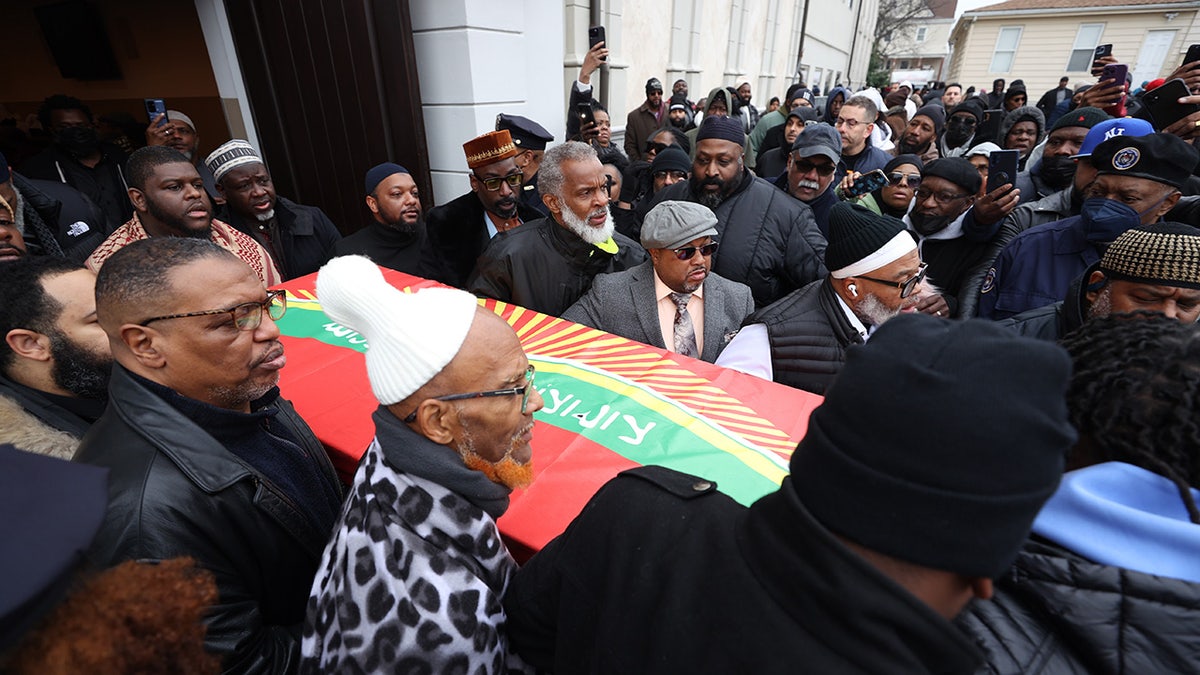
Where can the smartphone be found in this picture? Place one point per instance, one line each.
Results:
(1163, 104)
(1115, 71)
(584, 112)
(868, 182)
(1101, 51)
(595, 37)
(989, 129)
(1002, 168)
(154, 108)
(1193, 54)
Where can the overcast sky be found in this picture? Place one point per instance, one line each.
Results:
(968, 5)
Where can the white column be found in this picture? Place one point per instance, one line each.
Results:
(479, 58)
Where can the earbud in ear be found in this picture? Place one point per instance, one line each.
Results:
(853, 290)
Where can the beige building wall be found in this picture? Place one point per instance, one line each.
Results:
(716, 43)
(1046, 42)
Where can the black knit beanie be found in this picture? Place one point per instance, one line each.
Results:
(856, 232)
(956, 170)
(938, 443)
(1086, 117)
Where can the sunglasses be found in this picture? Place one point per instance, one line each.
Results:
(656, 146)
(513, 179)
(686, 252)
(913, 180)
(804, 166)
(907, 286)
(523, 391)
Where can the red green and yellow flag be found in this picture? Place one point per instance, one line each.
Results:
(610, 404)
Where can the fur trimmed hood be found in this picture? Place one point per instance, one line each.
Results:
(29, 433)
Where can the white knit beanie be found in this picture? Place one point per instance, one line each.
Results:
(411, 337)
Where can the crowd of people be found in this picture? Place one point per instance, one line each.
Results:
(1001, 476)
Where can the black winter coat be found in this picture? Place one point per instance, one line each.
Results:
(809, 334)
(306, 237)
(662, 574)
(175, 491)
(60, 220)
(1056, 613)
(455, 236)
(545, 267)
(769, 239)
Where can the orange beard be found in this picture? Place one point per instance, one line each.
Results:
(507, 471)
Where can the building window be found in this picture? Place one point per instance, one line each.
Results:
(903, 64)
(921, 33)
(1006, 49)
(1085, 47)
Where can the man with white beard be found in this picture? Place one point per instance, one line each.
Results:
(801, 340)
(547, 264)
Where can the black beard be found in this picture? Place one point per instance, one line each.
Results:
(710, 199)
(77, 370)
(906, 149)
(401, 226)
(177, 225)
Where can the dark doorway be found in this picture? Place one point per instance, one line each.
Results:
(333, 90)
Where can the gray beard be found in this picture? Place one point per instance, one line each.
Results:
(1102, 306)
(265, 217)
(19, 211)
(586, 232)
(873, 312)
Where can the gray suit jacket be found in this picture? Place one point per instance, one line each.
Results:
(607, 304)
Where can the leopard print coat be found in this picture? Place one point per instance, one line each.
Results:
(411, 582)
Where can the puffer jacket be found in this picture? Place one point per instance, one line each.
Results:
(809, 334)
(545, 267)
(769, 240)
(1057, 613)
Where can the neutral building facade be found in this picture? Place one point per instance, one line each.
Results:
(1040, 41)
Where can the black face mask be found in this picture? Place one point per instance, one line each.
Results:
(958, 133)
(77, 141)
(1058, 172)
(926, 225)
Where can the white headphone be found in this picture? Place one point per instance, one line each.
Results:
(853, 290)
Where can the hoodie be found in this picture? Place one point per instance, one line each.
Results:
(846, 94)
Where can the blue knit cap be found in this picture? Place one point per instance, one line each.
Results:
(377, 173)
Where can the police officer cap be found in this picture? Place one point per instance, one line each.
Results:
(526, 134)
(1164, 158)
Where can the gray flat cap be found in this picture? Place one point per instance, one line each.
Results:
(672, 224)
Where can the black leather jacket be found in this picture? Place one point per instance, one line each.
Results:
(175, 491)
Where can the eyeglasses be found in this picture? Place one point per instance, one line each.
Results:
(686, 252)
(677, 175)
(907, 286)
(513, 179)
(246, 316)
(804, 166)
(848, 123)
(912, 179)
(523, 391)
(939, 197)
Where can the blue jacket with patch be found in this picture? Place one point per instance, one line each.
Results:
(1036, 268)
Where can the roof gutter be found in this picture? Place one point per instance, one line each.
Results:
(1119, 9)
